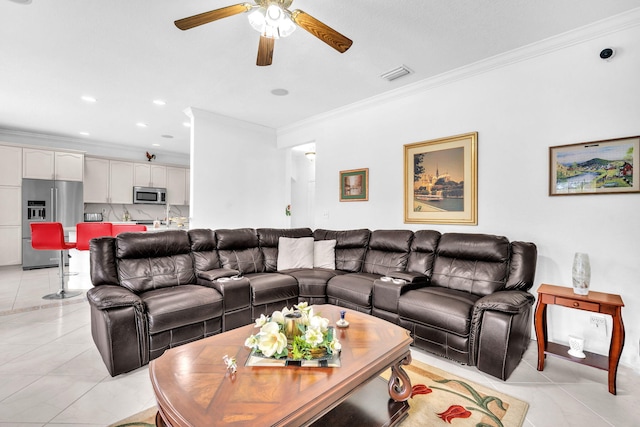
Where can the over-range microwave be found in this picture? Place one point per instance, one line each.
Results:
(150, 195)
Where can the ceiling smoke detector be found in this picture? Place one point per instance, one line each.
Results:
(396, 73)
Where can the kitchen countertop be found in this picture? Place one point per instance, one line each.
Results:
(150, 228)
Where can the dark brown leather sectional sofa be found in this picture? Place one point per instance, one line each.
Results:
(462, 296)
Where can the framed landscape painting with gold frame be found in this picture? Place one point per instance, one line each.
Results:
(441, 181)
(597, 167)
(354, 185)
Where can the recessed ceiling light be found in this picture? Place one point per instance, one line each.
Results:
(22, 1)
(156, 145)
(141, 125)
(159, 102)
(186, 124)
(88, 98)
(280, 92)
(84, 133)
(167, 136)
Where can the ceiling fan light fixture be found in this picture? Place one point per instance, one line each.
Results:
(257, 19)
(272, 22)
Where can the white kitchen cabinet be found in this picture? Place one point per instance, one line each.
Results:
(11, 206)
(47, 164)
(96, 180)
(10, 165)
(11, 238)
(38, 164)
(10, 209)
(108, 181)
(158, 176)
(177, 185)
(120, 182)
(69, 166)
(149, 175)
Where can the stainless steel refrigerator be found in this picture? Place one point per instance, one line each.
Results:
(48, 201)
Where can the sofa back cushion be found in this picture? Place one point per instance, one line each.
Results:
(203, 247)
(388, 251)
(351, 246)
(423, 252)
(474, 263)
(238, 250)
(148, 261)
(268, 241)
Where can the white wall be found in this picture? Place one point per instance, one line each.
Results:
(519, 110)
(236, 174)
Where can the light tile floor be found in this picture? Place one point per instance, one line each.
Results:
(52, 375)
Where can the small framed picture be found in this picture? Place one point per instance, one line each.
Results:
(354, 185)
(598, 167)
(441, 181)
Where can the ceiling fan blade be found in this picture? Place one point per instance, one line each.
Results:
(322, 31)
(265, 51)
(214, 15)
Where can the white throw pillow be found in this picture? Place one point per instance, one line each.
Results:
(295, 253)
(324, 254)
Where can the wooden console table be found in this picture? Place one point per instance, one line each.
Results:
(597, 302)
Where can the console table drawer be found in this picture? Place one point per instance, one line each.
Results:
(581, 305)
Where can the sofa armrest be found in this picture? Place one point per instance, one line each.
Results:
(500, 331)
(386, 293)
(110, 296)
(512, 302)
(409, 276)
(217, 273)
(236, 295)
(119, 328)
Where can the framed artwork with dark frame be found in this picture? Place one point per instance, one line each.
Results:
(354, 185)
(597, 167)
(441, 181)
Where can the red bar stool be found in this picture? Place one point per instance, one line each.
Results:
(85, 231)
(50, 236)
(122, 228)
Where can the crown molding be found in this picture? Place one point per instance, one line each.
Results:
(579, 35)
(86, 146)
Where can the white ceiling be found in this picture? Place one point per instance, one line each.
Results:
(127, 53)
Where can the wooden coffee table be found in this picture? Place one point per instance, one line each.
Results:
(193, 387)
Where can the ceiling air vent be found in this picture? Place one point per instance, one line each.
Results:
(396, 73)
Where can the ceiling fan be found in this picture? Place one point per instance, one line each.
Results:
(273, 20)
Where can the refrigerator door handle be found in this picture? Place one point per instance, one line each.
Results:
(53, 209)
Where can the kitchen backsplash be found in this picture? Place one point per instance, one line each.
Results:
(138, 212)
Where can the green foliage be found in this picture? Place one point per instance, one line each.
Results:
(301, 349)
(418, 169)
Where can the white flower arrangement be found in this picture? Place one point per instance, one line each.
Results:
(296, 334)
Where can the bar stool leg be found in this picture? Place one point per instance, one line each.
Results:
(62, 292)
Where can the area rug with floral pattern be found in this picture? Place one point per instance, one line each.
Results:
(438, 398)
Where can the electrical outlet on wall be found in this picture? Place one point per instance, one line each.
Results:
(598, 322)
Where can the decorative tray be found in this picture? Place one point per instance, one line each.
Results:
(327, 361)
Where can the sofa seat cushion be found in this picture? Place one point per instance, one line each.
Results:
(313, 281)
(171, 308)
(355, 288)
(271, 287)
(441, 308)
